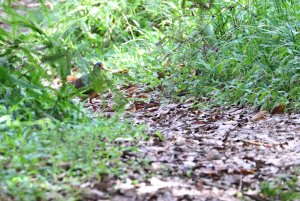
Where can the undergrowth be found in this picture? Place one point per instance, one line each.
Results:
(284, 189)
(49, 144)
(45, 160)
(243, 52)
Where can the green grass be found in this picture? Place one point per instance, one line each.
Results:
(42, 158)
(281, 189)
(49, 144)
(243, 52)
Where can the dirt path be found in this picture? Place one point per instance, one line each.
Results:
(217, 154)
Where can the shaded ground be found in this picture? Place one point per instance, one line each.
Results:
(217, 154)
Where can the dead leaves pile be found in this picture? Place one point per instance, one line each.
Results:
(218, 154)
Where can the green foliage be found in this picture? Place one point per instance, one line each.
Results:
(24, 94)
(282, 189)
(236, 51)
(44, 158)
(48, 143)
(159, 136)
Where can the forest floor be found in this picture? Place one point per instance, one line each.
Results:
(222, 153)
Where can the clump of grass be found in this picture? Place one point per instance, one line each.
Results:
(42, 158)
(49, 145)
(242, 52)
(281, 189)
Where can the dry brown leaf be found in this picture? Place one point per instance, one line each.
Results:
(132, 109)
(92, 194)
(200, 122)
(131, 90)
(138, 106)
(279, 109)
(260, 116)
(152, 104)
(199, 185)
(244, 171)
(142, 95)
(297, 129)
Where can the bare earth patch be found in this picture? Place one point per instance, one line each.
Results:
(217, 154)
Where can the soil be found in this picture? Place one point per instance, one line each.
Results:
(222, 153)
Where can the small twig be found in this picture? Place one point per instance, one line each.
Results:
(256, 197)
(241, 184)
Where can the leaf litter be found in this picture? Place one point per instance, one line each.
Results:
(217, 154)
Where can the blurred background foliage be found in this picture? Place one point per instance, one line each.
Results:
(241, 51)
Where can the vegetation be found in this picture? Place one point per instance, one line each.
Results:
(244, 52)
(282, 189)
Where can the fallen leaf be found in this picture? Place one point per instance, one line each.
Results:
(279, 109)
(131, 90)
(139, 105)
(171, 106)
(152, 104)
(125, 186)
(230, 122)
(260, 116)
(297, 129)
(157, 184)
(248, 142)
(199, 185)
(296, 121)
(142, 95)
(246, 172)
(200, 122)
(256, 197)
(92, 194)
(274, 161)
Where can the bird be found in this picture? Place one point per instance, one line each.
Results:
(91, 82)
(95, 82)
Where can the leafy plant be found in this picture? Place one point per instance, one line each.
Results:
(282, 189)
(48, 143)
